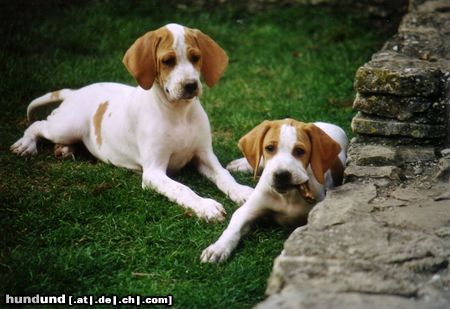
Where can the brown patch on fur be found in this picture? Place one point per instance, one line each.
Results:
(143, 58)
(213, 60)
(337, 172)
(97, 120)
(55, 95)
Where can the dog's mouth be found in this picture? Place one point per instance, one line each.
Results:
(284, 188)
(306, 192)
(302, 188)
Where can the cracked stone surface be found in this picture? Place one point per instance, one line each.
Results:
(388, 247)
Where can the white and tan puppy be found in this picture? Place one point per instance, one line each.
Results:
(157, 127)
(301, 160)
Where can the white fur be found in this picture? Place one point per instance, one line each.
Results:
(266, 200)
(184, 71)
(154, 131)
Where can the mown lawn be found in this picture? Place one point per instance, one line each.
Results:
(87, 228)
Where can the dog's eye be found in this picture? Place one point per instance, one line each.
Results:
(270, 148)
(169, 61)
(195, 58)
(298, 152)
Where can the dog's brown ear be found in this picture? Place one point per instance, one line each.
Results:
(251, 145)
(140, 59)
(324, 151)
(214, 58)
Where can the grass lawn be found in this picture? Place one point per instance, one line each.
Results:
(87, 228)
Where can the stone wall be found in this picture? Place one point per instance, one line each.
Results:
(382, 240)
(403, 92)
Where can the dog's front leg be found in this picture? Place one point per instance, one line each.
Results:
(207, 209)
(210, 167)
(239, 225)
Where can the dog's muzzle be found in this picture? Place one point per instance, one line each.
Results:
(282, 181)
(190, 90)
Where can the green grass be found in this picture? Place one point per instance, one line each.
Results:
(80, 227)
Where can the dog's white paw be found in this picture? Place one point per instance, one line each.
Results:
(25, 146)
(210, 210)
(215, 253)
(241, 194)
(240, 165)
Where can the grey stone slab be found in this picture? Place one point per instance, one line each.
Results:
(363, 124)
(411, 109)
(395, 74)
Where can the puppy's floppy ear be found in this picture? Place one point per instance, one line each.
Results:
(214, 58)
(251, 145)
(324, 151)
(140, 59)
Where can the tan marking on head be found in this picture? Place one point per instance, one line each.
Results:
(143, 58)
(324, 151)
(302, 140)
(320, 150)
(97, 120)
(251, 144)
(55, 95)
(152, 56)
(193, 52)
(213, 59)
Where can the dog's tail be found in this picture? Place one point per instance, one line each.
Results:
(51, 98)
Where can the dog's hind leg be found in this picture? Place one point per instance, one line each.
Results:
(58, 128)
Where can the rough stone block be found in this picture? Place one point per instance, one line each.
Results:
(409, 154)
(392, 73)
(444, 170)
(411, 109)
(353, 172)
(384, 155)
(384, 127)
(419, 42)
(376, 155)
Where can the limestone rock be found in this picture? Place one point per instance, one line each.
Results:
(386, 155)
(295, 299)
(414, 153)
(395, 74)
(383, 127)
(418, 42)
(444, 170)
(413, 109)
(353, 172)
(371, 154)
(326, 213)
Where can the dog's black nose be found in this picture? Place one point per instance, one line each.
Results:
(282, 180)
(190, 88)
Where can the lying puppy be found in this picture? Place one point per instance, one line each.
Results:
(158, 127)
(301, 160)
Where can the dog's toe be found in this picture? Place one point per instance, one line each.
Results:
(239, 165)
(24, 146)
(210, 210)
(241, 195)
(214, 254)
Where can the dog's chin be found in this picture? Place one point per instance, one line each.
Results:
(182, 99)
